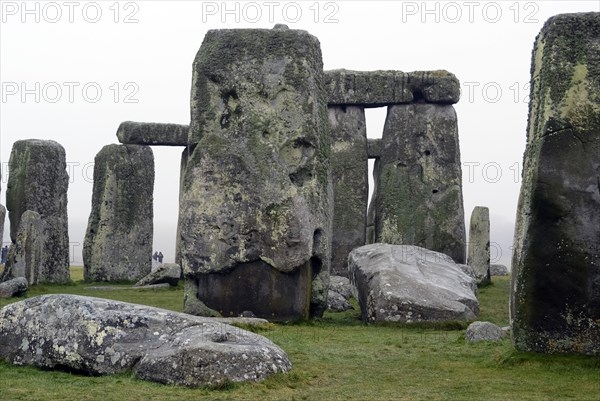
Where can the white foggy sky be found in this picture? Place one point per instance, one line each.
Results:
(486, 44)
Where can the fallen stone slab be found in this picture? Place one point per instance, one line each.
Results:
(384, 88)
(165, 273)
(247, 321)
(13, 288)
(99, 336)
(484, 331)
(141, 287)
(135, 133)
(404, 283)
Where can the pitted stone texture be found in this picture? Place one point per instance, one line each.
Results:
(168, 273)
(555, 298)
(256, 187)
(2, 218)
(479, 244)
(134, 133)
(403, 283)
(418, 181)
(99, 336)
(38, 182)
(118, 241)
(383, 88)
(484, 331)
(340, 291)
(499, 270)
(13, 288)
(25, 256)
(349, 173)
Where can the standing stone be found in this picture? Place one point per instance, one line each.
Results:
(38, 181)
(349, 173)
(257, 199)
(25, 256)
(555, 291)
(118, 242)
(2, 218)
(479, 244)
(418, 199)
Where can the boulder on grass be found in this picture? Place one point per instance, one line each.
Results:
(484, 331)
(13, 288)
(337, 303)
(168, 273)
(405, 283)
(499, 270)
(99, 336)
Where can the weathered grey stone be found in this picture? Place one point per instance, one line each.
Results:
(2, 218)
(160, 286)
(374, 148)
(483, 331)
(118, 241)
(25, 256)
(403, 283)
(99, 336)
(38, 182)
(241, 320)
(337, 303)
(349, 173)
(134, 133)
(168, 273)
(383, 88)
(468, 270)
(255, 220)
(13, 287)
(499, 270)
(342, 286)
(418, 191)
(555, 298)
(183, 164)
(479, 244)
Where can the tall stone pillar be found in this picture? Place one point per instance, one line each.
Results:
(38, 181)
(418, 179)
(118, 241)
(555, 291)
(479, 244)
(349, 172)
(256, 198)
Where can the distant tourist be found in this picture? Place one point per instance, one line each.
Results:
(160, 257)
(155, 256)
(4, 254)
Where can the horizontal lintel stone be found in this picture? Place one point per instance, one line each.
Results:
(384, 88)
(156, 134)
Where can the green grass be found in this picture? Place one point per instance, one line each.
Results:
(339, 358)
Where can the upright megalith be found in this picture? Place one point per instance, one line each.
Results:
(418, 184)
(2, 218)
(25, 256)
(479, 244)
(349, 173)
(257, 203)
(118, 241)
(38, 181)
(555, 292)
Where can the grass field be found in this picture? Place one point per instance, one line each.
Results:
(340, 358)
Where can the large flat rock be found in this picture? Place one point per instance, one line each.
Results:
(99, 336)
(136, 133)
(403, 283)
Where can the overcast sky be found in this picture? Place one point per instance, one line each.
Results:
(73, 71)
